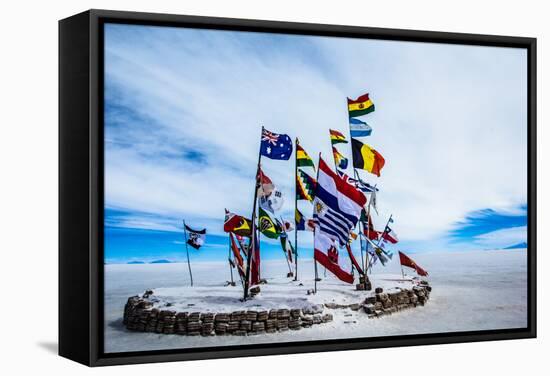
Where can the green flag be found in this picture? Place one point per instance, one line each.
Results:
(268, 226)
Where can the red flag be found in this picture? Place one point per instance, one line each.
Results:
(255, 263)
(237, 255)
(329, 259)
(237, 224)
(370, 232)
(407, 261)
(265, 185)
(353, 260)
(390, 235)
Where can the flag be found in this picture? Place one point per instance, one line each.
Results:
(237, 256)
(302, 158)
(303, 224)
(337, 205)
(359, 184)
(305, 186)
(339, 159)
(373, 201)
(360, 106)
(337, 137)
(407, 261)
(359, 128)
(300, 221)
(326, 254)
(369, 232)
(237, 224)
(273, 202)
(195, 238)
(390, 235)
(268, 226)
(379, 252)
(275, 146)
(366, 158)
(255, 263)
(354, 261)
(288, 226)
(265, 185)
(287, 247)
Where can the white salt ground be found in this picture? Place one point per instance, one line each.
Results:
(471, 291)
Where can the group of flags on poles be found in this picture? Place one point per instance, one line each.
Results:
(338, 201)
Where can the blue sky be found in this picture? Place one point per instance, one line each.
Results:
(184, 109)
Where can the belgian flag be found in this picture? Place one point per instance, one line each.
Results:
(366, 158)
(360, 106)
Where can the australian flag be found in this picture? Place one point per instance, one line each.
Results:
(275, 146)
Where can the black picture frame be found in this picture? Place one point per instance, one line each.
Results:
(81, 186)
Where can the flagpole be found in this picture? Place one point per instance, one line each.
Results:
(368, 227)
(364, 261)
(315, 261)
(288, 240)
(229, 259)
(253, 218)
(336, 170)
(385, 228)
(187, 250)
(295, 210)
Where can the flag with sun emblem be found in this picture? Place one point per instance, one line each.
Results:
(275, 146)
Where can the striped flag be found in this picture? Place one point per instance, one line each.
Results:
(337, 137)
(337, 205)
(359, 128)
(360, 106)
(366, 158)
(339, 159)
(302, 158)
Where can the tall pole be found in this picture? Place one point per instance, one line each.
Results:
(364, 261)
(369, 225)
(315, 261)
(187, 250)
(253, 218)
(295, 211)
(385, 228)
(229, 260)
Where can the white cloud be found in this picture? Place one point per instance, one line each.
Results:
(502, 238)
(449, 121)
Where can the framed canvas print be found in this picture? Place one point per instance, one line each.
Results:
(240, 187)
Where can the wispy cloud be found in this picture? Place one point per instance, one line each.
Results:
(502, 238)
(184, 109)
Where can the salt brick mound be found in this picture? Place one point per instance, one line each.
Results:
(141, 315)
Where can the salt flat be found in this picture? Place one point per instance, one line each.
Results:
(471, 291)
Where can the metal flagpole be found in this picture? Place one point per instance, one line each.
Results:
(250, 252)
(295, 211)
(187, 250)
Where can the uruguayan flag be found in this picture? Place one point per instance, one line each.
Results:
(337, 205)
